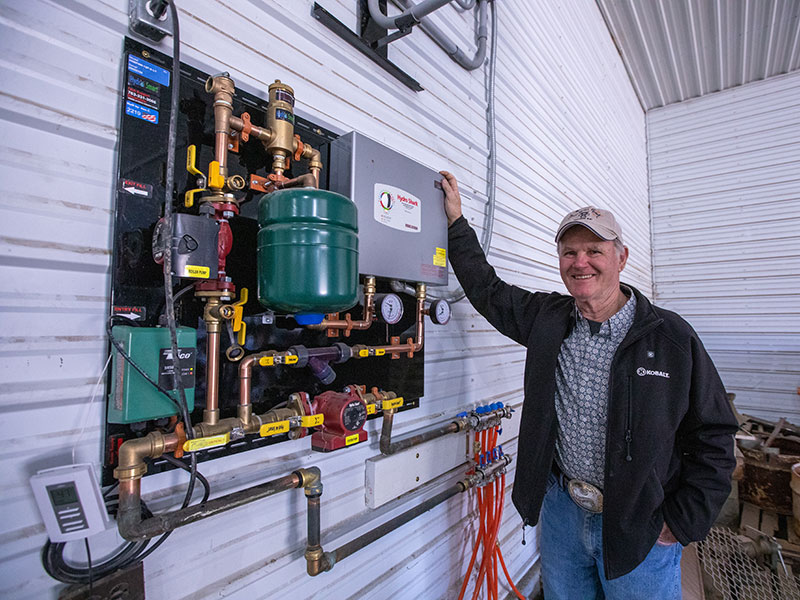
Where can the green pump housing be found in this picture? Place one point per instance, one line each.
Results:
(307, 251)
(132, 398)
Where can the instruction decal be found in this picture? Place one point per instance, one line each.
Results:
(141, 112)
(136, 188)
(143, 84)
(397, 208)
(134, 313)
(440, 258)
(165, 367)
(141, 97)
(139, 66)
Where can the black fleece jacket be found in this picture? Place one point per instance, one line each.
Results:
(669, 438)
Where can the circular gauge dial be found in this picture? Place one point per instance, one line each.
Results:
(440, 312)
(354, 415)
(391, 308)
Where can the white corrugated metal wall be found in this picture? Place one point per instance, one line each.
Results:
(725, 194)
(570, 132)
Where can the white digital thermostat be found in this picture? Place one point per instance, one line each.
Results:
(70, 502)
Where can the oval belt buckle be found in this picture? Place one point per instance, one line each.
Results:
(585, 495)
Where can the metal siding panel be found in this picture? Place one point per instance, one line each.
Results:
(570, 132)
(680, 50)
(725, 201)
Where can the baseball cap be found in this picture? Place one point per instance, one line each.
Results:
(597, 220)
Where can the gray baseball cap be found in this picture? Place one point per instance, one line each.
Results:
(597, 220)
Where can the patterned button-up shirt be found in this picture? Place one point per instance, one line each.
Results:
(582, 379)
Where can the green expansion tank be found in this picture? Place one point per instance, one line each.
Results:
(307, 251)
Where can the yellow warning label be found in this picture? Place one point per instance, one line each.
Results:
(380, 352)
(440, 258)
(266, 361)
(290, 359)
(274, 428)
(363, 353)
(389, 404)
(371, 409)
(195, 271)
(206, 442)
(312, 420)
(351, 439)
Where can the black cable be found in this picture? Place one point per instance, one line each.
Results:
(131, 553)
(181, 465)
(169, 300)
(89, 564)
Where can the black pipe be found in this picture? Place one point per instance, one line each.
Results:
(366, 539)
(132, 528)
(389, 447)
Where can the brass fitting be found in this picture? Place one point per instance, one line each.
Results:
(280, 121)
(223, 89)
(130, 464)
(311, 480)
(317, 561)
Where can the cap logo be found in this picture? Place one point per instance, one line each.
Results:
(585, 214)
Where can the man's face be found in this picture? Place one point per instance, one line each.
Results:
(589, 266)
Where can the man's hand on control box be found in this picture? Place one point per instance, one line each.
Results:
(452, 199)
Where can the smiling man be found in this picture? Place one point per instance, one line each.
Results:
(626, 438)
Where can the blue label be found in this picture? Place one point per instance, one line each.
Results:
(284, 115)
(141, 112)
(146, 69)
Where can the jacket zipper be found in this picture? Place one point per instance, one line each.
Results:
(629, 420)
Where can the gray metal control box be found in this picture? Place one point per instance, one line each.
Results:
(402, 227)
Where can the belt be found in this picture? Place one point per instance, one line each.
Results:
(584, 494)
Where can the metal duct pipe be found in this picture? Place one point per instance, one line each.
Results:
(411, 16)
(446, 44)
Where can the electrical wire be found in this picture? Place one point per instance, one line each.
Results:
(169, 300)
(89, 564)
(130, 553)
(491, 131)
(88, 408)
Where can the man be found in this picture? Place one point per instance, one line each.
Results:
(626, 438)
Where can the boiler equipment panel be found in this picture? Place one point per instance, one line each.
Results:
(401, 215)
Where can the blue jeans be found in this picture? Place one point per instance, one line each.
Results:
(572, 558)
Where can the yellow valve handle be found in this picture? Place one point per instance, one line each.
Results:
(206, 442)
(239, 326)
(191, 166)
(191, 160)
(188, 197)
(275, 428)
(215, 179)
(312, 420)
(390, 404)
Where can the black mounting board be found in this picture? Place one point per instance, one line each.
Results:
(137, 281)
(360, 44)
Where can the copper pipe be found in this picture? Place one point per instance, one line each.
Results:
(211, 413)
(419, 337)
(262, 133)
(347, 323)
(133, 528)
(305, 180)
(223, 89)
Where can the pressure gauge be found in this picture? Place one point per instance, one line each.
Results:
(391, 308)
(440, 311)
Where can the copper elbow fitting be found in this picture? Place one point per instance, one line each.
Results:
(130, 464)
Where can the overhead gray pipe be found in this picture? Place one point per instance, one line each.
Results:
(450, 47)
(411, 16)
(466, 4)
